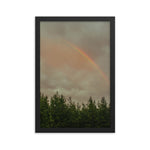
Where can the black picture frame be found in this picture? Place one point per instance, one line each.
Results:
(37, 75)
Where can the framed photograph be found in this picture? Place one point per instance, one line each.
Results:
(75, 74)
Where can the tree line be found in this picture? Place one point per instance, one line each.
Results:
(60, 112)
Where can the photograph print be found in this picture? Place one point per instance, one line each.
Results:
(75, 74)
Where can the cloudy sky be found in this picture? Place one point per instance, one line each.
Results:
(75, 59)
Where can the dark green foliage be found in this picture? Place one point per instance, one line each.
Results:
(44, 112)
(62, 113)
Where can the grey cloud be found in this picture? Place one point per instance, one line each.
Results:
(93, 38)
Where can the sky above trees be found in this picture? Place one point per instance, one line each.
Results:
(63, 68)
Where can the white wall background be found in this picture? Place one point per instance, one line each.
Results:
(17, 53)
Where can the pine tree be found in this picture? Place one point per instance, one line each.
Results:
(62, 113)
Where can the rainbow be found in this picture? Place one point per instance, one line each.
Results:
(90, 61)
